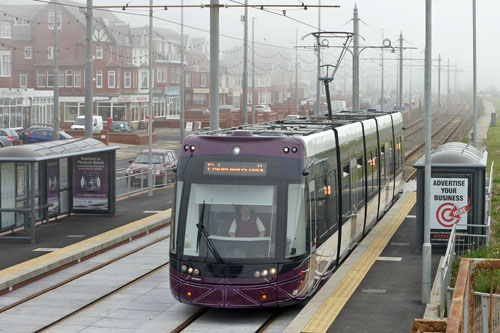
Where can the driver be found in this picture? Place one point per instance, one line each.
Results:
(247, 225)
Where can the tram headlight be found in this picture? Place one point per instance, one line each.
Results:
(256, 274)
(196, 271)
(190, 270)
(272, 271)
(286, 150)
(294, 149)
(192, 147)
(184, 268)
(236, 150)
(264, 272)
(186, 147)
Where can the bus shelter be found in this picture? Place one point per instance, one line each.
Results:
(44, 180)
(458, 183)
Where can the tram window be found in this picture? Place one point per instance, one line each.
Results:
(397, 151)
(375, 166)
(346, 190)
(382, 165)
(390, 159)
(332, 203)
(321, 207)
(296, 222)
(173, 228)
(360, 181)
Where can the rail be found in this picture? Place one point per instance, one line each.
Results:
(131, 183)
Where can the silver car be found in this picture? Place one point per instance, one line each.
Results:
(7, 137)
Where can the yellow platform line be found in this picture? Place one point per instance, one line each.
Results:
(330, 309)
(84, 244)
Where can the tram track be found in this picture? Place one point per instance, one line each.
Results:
(455, 122)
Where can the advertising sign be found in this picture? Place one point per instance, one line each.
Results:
(53, 187)
(90, 182)
(450, 204)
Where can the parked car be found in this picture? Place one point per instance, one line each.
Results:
(7, 137)
(120, 126)
(294, 117)
(163, 160)
(338, 106)
(24, 133)
(309, 101)
(45, 134)
(263, 107)
(79, 123)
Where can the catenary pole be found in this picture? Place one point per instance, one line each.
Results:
(296, 73)
(55, 25)
(426, 247)
(150, 104)
(355, 61)
(382, 75)
(474, 75)
(253, 70)
(89, 73)
(214, 64)
(318, 91)
(181, 120)
(244, 104)
(439, 88)
(400, 71)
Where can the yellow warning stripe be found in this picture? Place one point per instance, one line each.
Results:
(330, 309)
(84, 244)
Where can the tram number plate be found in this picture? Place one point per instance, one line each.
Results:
(225, 168)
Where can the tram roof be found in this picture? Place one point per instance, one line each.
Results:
(304, 126)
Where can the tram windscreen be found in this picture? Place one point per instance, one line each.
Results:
(240, 221)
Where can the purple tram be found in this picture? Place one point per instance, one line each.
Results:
(264, 212)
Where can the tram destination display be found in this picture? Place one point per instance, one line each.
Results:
(450, 206)
(226, 168)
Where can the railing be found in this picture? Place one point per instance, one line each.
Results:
(128, 183)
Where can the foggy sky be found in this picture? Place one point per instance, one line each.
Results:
(451, 27)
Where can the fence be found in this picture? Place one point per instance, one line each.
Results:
(128, 182)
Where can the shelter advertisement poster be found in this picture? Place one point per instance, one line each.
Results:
(450, 205)
(91, 183)
(53, 187)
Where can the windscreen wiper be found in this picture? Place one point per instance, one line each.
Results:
(202, 231)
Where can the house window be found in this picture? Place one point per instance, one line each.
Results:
(50, 78)
(61, 79)
(5, 29)
(203, 80)
(159, 74)
(50, 52)
(51, 21)
(98, 52)
(28, 52)
(98, 79)
(111, 79)
(144, 82)
(128, 79)
(5, 63)
(69, 78)
(188, 80)
(78, 79)
(23, 79)
(41, 78)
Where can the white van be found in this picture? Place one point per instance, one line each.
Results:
(79, 123)
(338, 106)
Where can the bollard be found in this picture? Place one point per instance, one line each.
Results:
(493, 119)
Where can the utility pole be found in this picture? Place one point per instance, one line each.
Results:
(253, 70)
(401, 71)
(409, 88)
(345, 80)
(448, 90)
(181, 120)
(474, 75)
(382, 75)
(89, 74)
(150, 113)
(245, 68)
(427, 247)
(318, 91)
(214, 64)
(439, 87)
(355, 62)
(55, 25)
(296, 73)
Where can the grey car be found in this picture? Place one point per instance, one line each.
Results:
(7, 136)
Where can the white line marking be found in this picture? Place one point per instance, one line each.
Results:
(374, 291)
(152, 211)
(400, 244)
(411, 216)
(76, 236)
(46, 249)
(389, 258)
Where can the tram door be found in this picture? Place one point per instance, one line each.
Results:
(311, 203)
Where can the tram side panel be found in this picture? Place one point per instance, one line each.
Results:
(371, 165)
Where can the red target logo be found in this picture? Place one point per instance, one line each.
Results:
(445, 215)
